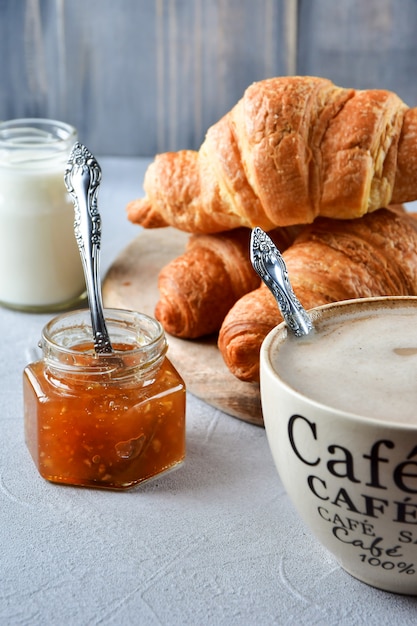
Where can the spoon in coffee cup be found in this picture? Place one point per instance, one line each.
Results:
(268, 262)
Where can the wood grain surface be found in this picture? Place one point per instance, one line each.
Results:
(131, 283)
(139, 76)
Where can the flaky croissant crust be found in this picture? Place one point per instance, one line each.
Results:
(329, 261)
(198, 288)
(292, 149)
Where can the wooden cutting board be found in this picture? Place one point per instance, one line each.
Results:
(132, 283)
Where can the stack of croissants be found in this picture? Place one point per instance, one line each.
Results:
(324, 170)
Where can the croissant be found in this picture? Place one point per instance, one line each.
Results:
(329, 261)
(199, 287)
(292, 149)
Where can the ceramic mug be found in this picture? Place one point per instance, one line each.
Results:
(352, 477)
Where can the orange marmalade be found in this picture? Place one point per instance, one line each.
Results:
(109, 421)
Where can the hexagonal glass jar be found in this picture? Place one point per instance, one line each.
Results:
(109, 421)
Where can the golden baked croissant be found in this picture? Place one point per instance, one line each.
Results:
(292, 149)
(329, 261)
(199, 287)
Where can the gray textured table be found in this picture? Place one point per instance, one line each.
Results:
(216, 542)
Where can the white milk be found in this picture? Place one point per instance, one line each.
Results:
(40, 266)
(365, 364)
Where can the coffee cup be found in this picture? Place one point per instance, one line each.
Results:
(340, 413)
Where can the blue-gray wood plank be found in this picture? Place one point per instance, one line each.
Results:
(138, 77)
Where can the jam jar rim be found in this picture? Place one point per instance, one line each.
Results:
(149, 355)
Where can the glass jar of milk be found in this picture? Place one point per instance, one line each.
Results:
(40, 266)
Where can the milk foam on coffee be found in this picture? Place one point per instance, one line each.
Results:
(364, 363)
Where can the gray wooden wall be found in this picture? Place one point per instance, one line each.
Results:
(138, 77)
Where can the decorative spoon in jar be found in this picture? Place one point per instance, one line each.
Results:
(82, 179)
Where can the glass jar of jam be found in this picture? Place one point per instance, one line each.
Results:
(109, 421)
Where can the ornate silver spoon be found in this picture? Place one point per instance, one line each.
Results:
(82, 179)
(270, 265)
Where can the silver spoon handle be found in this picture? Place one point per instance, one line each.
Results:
(82, 179)
(270, 265)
